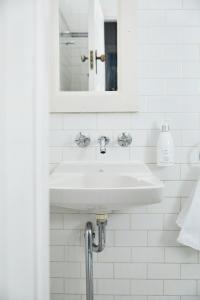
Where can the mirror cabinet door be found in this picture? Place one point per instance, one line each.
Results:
(93, 50)
(88, 45)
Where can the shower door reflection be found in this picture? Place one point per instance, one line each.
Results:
(88, 45)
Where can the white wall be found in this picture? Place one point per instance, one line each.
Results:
(23, 154)
(142, 260)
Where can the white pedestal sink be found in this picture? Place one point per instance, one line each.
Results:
(102, 187)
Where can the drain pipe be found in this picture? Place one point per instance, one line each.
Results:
(90, 246)
(101, 224)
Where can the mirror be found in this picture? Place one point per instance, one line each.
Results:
(93, 56)
(88, 45)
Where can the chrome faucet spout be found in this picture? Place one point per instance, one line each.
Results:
(103, 141)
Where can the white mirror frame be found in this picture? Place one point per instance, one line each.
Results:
(123, 100)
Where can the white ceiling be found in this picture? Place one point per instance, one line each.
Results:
(75, 13)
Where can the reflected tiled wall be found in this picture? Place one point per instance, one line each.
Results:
(73, 72)
(142, 260)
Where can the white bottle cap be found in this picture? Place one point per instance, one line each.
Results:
(165, 127)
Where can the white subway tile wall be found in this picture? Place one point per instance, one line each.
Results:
(142, 259)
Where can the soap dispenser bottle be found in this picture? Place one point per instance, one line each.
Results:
(165, 147)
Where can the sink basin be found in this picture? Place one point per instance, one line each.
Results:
(103, 187)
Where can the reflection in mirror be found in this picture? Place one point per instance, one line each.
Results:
(88, 45)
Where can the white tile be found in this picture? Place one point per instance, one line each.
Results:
(57, 253)
(164, 298)
(189, 297)
(110, 238)
(75, 286)
(103, 270)
(127, 271)
(75, 253)
(72, 297)
(178, 188)
(147, 222)
(57, 297)
(150, 18)
(113, 154)
(78, 221)
(65, 237)
(57, 269)
(72, 270)
(147, 155)
(162, 35)
(191, 34)
(100, 270)
(158, 69)
(79, 154)
(115, 254)
(55, 156)
(56, 221)
(61, 138)
(184, 18)
(182, 86)
(148, 254)
(189, 104)
(147, 121)
(180, 255)
(170, 222)
(130, 238)
(159, 4)
(144, 137)
(162, 104)
(102, 297)
(190, 271)
(113, 287)
(190, 138)
(190, 69)
(182, 121)
(57, 285)
(191, 4)
(113, 121)
(180, 287)
(168, 205)
(147, 87)
(147, 52)
(163, 238)
(189, 172)
(130, 298)
(147, 287)
(82, 122)
(163, 271)
(56, 121)
(168, 52)
(119, 221)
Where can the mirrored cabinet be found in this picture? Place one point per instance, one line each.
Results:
(93, 55)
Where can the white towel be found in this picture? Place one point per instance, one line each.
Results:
(189, 221)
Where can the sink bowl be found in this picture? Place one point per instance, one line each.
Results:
(102, 187)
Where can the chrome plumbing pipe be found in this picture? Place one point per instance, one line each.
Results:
(101, 236)
(90, 246)
(89, 260)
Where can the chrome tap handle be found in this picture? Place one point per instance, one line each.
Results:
(125, 139)
(82, 140)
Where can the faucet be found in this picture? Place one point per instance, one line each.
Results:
(103, 141)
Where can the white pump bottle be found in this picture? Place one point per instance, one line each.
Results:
(165, 147)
